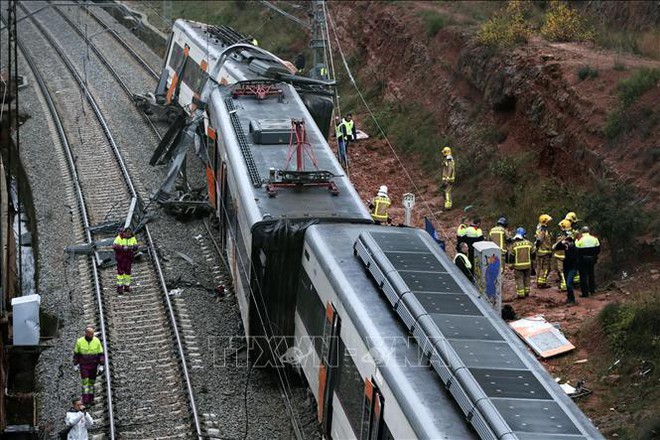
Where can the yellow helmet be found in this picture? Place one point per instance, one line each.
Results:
(446, 151)
(572, 217)
(545, 219)
(565, 225)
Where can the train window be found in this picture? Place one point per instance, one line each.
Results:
(176, 59)
(311, 310)
(372, 412)
(350, 387)
(193, 76)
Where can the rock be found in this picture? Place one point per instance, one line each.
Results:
(654, 271)
(655, 277)
(581, 361)
(611, 379)
(547, 57)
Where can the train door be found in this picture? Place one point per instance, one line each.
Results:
(372, 412)
(328, 367)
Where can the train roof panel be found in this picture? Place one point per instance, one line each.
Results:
(430, 409)
(252, 161)
(501, 388)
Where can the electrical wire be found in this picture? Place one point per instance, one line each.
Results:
(380, 128)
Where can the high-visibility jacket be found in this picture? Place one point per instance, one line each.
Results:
(338, 130)
(521, 252)
(381, 204)
(466, 260)
(587, 245)
(448, 170)
(461, 230)
(88, 352)
(349, 129)
(128, 242)
(499, 235)
(543, 240)
(558, 251)
(83, 346)
(473, 232)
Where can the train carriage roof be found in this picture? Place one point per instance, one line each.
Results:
(430, 410)
(482, 362)
(251, 162)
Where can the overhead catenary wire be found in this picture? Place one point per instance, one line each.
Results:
(380, 128)
(330, 57)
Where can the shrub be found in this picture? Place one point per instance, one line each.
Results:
(564, 24)
(639, 82)
(587, 72)
(615, 214)
(634, 328)
(433, 22)
(618, 65)
(506, 28)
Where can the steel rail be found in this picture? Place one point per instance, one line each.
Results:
(111, 69)
(83, 213)
(123, 42)
(129, 183)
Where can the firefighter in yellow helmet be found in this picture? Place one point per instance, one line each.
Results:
(380, 205)
(521, 253)
(559, 254)
(448, 175)
(543, 245)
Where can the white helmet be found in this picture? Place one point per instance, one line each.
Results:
(382, 189)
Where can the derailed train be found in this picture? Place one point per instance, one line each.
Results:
(392, 339)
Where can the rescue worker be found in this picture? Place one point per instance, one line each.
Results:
(460, 233)
(380, 206)
(78, 421)
(573, 218)
(341, 145)
(349, 132)
(300, 62)
(448, 175)
(125, 246)
(558, 254)
(473, 234)
(88, 358)
(570, 265)
(462, 261)
(254, 42)
(588, 248)
(543, 245)
(520, 258)
(500, 234)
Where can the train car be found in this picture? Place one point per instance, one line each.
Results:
(396, 343)
(392, 339)
(262, 222)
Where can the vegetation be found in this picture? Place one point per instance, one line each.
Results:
(633, 329)
(433, 22)
(587, 72)
(622, 119)
(639, 82)
(563, 23)
(605, 207)
(506, 28)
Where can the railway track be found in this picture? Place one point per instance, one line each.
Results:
(147, 392)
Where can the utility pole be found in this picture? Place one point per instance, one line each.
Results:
(318, 44)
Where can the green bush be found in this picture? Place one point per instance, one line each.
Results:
(565, 24)
(633, 329)
(506, 28)
(639, 82)
(433, 22)
(587, 72)
(616, 216)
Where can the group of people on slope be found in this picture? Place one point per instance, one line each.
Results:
(573, 253)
